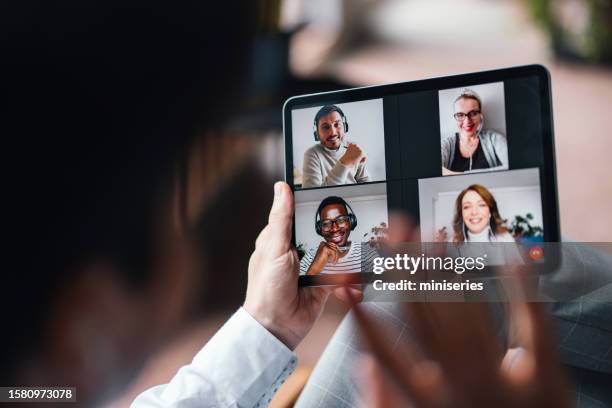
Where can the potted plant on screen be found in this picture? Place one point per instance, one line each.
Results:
(301, 251)
(377, 235)
(522, 229)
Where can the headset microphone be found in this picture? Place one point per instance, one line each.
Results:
(334, 200)
(480, 125)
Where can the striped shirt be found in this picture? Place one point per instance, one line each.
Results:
(350, 263)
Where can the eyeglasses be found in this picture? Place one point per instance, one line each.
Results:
(460, 116)
(341, 221)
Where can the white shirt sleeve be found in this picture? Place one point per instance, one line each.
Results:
(241, 366)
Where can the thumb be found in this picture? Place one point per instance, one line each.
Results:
(280, 219)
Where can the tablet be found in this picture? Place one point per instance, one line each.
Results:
(469, 158)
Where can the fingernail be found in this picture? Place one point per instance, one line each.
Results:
(277, 189)
(356, 294)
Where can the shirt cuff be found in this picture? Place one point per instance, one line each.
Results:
(248, 360)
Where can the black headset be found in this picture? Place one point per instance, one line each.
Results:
(326, 110)
(334, 200)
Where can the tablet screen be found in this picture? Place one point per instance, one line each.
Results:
(468, 158)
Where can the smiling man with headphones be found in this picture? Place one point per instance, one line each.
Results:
(333, 161)
(334, 221)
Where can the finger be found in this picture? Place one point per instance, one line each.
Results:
(420, 380)
(474, 341)
(538, 364)
(348, 295)
(317, 294)
(332, 246)
(402, 228)
(280, 220)
(381, 391)
(333, 253)
(540, 370)
(331, 257)
(534, 329)
(460, 338)
(262, 237)
(401, 232)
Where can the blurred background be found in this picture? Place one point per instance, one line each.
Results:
(306, 46)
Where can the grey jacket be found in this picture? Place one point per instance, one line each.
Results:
(493, 145)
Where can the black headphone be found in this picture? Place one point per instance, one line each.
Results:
(334, 200)
(326, 110)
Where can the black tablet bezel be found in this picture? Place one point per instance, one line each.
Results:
(550, 207)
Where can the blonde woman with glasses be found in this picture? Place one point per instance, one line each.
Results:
(472, 148)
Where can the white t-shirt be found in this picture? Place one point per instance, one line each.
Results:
(500, 249)
(487, 235)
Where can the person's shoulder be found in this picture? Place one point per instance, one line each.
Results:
(312, 155)
(492, 135)
(449, 138)
(314, 149)
(448, 141)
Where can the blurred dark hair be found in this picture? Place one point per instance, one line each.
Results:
(332, 200)
(326, 110)
(100, 101)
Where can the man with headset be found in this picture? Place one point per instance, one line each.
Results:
(333, 161)
(334, 221)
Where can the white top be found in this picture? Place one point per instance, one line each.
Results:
(486, 235)
(486, 242)
(241, 366)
